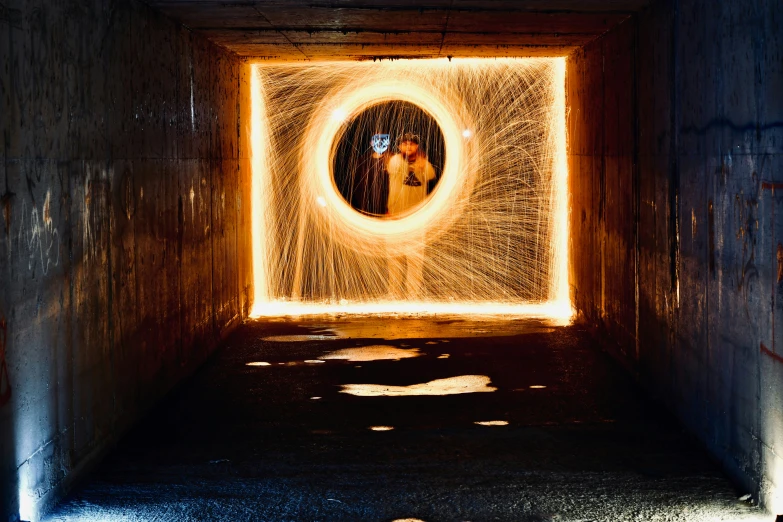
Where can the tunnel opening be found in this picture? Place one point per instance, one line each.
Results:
(490, 237)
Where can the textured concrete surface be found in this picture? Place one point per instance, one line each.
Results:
(676, 156)
(121, 219)
(356, 29)
(239, 442)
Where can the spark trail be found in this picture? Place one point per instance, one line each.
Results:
(492, 236)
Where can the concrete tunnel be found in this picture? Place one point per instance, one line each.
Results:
(391, 260)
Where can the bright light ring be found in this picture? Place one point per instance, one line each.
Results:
(368, 233)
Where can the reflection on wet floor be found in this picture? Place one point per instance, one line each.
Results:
(455, 328)
(289, 363)
(299, 338)
(492, 423)
(451, 326)
(376, 352)
(449, 386)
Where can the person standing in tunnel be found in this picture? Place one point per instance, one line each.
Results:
(410, 175)
(410, 178)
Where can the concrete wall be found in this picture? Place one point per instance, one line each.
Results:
(123, 255)
(676, 165)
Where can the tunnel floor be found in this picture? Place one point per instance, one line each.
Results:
(281, 441)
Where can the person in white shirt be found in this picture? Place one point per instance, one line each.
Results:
(410, 176)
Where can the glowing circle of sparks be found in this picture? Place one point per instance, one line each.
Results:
(339, 115)
(368, 233)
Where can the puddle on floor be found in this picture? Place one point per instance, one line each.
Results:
(375, 352)
(448, 386)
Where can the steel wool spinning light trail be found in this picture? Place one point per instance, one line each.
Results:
(491, 237)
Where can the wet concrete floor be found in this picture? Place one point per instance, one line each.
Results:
(482, 419)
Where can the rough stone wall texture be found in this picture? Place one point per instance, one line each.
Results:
(676, 169)
(123, 227)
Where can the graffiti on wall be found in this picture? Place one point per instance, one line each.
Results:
(5, 384)
(40, 237)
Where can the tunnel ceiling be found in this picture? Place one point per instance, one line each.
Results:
(349, 29)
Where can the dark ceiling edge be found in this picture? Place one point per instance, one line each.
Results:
(363, 58)
(195, 32)
(415, 45)
(279, 60)
(618, 24)
(476, 10)
(423, 8)
(346, 31)
(267, 20)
